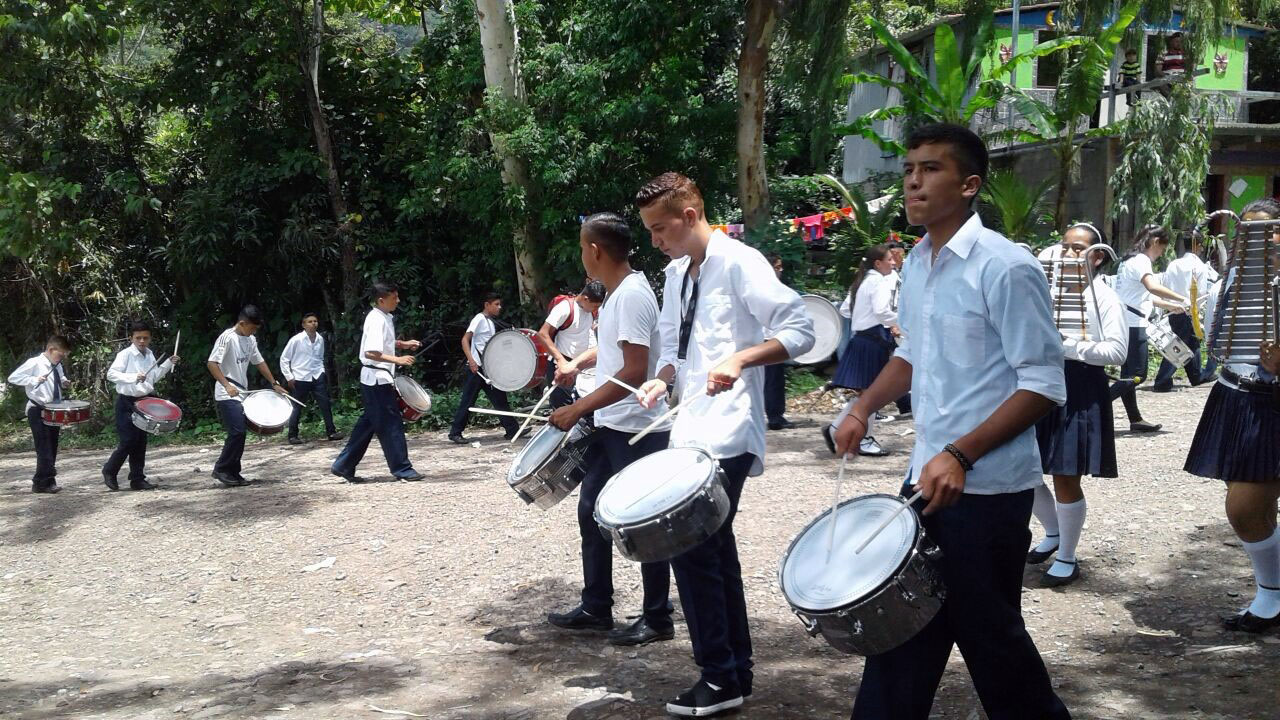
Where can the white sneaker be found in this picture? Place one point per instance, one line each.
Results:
(871, 448)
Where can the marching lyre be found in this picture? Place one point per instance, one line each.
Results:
(1068, 279)
(1245, 312)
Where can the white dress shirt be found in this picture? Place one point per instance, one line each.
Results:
(379, 335)
(977, 328)
(576, 338)
(128, 364)
(303, 358)
(39, 392)
(740, 303)
(482, 330)
(1108, 342)
(1178, 276)
(1131, 290)
(234, 353)
(629, 314)
(873, 304)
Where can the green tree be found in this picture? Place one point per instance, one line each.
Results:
(866, 227)
(1021, 207)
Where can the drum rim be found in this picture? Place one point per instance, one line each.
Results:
(67, 405)
(526, 336)
(782, 564)
(140, 407)
(619, 522)
(416, 387)
(512, 477)
(805, 357)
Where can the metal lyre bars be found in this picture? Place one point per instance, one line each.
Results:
(1069, 278)
(1245, 315)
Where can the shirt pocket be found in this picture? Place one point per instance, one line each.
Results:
(964, 340)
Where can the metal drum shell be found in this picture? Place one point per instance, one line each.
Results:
(153, 425)
(675, 531)
(558, 475)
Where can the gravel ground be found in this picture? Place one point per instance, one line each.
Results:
(302, 597)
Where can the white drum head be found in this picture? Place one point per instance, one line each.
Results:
(413, 394)
(810, 582)
(510, 360)
(654, 484)
(537, 451)
(267, 409)
(826, 330)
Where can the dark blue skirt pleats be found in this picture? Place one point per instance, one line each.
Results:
(1238, 438)
(1079, 438)
(866, 354)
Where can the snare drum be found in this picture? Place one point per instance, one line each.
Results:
(826, 330)
(414, 401)
(866, 603)
(551, 464)
(266, 412)
(65, 412)
(1163, 339)
(663, 504)
(156, 416)
(515, 359)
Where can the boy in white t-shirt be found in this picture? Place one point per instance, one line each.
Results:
(474, 340)
(567, 333)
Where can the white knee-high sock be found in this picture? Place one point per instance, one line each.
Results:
(844, 413)
(1265, 557)
(1046, 511)
(1070, 523)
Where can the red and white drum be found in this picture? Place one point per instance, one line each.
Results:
(414, 402)
(65, 412)
(515, 359)
(156, 416)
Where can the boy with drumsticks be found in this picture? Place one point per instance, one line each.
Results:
(135, 373)
(229, 363)
(567, 333)
(381, 416)
(43, 378)
(983, 361)
(474, 340)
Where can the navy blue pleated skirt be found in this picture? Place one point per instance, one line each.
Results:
(1238, 438)
(1079, 438)
(866, 354)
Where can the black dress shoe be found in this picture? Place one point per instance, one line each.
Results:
(1142, 426)
(579, 619)
(1250, 623)
(413, 477)
(510, 434)
(458, 440)
(781, 424)
(141, 485)
(1161, 389)
(110, 481)
(829, 438)
(335, 436)
(640, 632)
(50, 489)
(1053, 581)
(350, 477)
(227, 479)
(1035, 557)
(295, 441)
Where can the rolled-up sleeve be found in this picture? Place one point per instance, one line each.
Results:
(777, 307)
(1019, 306)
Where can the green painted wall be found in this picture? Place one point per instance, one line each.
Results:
(1026, 41)
(1236, 49)
(1255, 188)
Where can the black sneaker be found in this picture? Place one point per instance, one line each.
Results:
(50, 489)
(141, 485)
(829, 438)
(226, 479)
(511, 434)
(414, 476)
(295, 441)
(350, 477)
(702, 700)
(458, 440)
(781, 424)
(640, 632)
(579, 619)
(110, 481)
(335, 436)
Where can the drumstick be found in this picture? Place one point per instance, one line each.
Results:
(532, 413)
(621, 384)
(487, 411)
(888, 520)
(661, 418)
(176, 342)
(835, 504)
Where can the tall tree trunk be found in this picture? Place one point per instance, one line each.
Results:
(1066, 158)
(753, 62)
(502, 75)
(311, 36)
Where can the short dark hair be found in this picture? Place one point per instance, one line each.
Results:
(594, 291)
(969, 151)
(308, 314)
(138, 326)
(674, 190)
(490, 296)
(251, 314)
(1263, 205)
(58, 342)
(382, 289)
(610, 232)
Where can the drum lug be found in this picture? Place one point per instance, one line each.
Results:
(810, 625)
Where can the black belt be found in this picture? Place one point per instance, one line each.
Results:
(1250, 385)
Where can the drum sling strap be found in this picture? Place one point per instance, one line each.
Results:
(687, 313)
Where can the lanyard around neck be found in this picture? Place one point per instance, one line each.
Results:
(687, 313)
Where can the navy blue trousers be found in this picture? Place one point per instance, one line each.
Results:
(775, 392)
(381, 417)
(46, 442)
(709, 577)
(131, 443)
(609, 454)
(560, 396)
(471, 388)
(984, 541)
(1181, 326)
(231, 412)
(1134, 368)
(303, 390)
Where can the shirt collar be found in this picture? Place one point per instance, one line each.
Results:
(963, 241)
